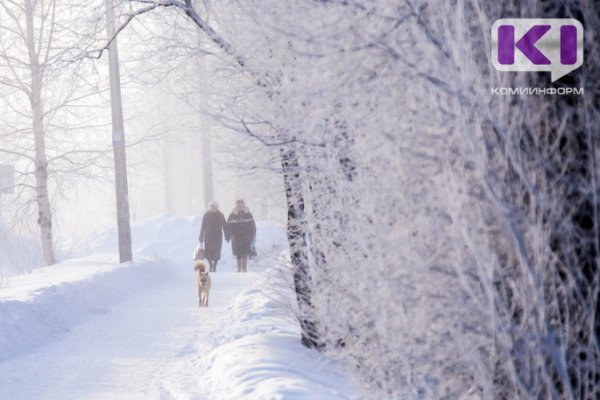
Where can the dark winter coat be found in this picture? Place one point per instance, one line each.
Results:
(241, 228)
(211, 233)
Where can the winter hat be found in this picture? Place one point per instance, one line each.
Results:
(240, 207)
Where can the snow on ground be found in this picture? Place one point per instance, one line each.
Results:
(254, 352)
(91, 329)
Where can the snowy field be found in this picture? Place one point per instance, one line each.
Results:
(91, 329)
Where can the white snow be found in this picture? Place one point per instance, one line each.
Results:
(18, 254)
(89, 328)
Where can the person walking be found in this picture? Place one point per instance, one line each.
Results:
(241, 229)
(211, 234)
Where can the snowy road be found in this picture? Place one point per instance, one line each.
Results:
(91, 329)
(130, 350)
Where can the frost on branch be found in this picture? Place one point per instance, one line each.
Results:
(451, 235)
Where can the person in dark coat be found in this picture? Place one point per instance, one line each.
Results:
(211, 234)
(241, 229)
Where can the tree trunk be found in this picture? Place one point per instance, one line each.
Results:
(41, 162)
(168, 177)
(207, 168)
(298, 248)
(207, 164)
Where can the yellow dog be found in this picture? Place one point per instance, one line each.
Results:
(204, 284)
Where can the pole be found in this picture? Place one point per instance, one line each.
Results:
(118, 139)
(207, 168)
(207, 161)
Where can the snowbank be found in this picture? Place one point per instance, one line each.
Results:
(259, 355)
(41, 307)
(245, 346)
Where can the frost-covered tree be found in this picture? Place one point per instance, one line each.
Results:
(445, 240)
(45, 98)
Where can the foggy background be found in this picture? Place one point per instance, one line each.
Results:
(443, 241)
(165, 118)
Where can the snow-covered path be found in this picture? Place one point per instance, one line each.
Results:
(128, 351)
(89, 328)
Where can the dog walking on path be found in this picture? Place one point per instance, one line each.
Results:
(204, 284)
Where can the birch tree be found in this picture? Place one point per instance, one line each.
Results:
(43, 92)
(446, 240)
